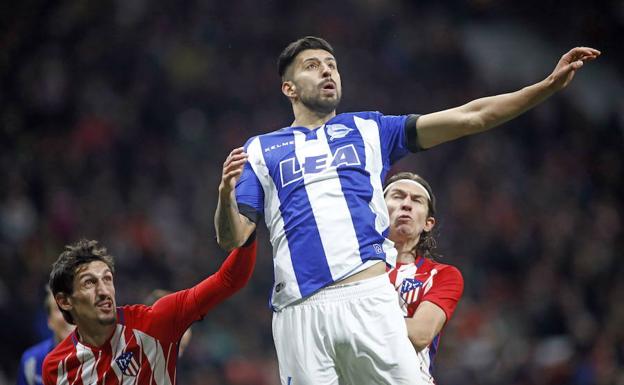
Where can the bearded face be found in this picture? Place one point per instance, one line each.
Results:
(316, 81)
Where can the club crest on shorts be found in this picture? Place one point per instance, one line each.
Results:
(128, 364)
(337, 131)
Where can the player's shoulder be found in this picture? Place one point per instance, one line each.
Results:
(59, 352)
(272, 138)
(38, 350)
(132, 314)
(443, 268)
(349, 116)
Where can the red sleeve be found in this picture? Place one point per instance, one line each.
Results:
(49, 366)
(188, 306)
(45, 374)
(447, 289)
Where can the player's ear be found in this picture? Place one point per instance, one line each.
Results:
(63, 301)
(289, 89)
(429, 224)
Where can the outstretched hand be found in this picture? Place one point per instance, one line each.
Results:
(232, 169)
(570, 63)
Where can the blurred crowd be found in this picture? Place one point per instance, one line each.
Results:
(115, 119)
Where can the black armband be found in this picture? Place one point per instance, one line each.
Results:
(411, 134)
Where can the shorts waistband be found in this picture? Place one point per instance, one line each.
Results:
(348, 291)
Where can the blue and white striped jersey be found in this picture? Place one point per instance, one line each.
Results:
(29, 372)
(320, 192)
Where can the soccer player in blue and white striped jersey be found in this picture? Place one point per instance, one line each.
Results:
(318, 185)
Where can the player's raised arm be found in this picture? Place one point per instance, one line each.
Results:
(177, 311)
(233, 228)
(486, 113)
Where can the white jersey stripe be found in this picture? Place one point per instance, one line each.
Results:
(374, 165)
(118, 343)
(328, 213)
(85, 354)
(155, 356)
(282, 262)
(61, 373)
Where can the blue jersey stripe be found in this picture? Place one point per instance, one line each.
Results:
(304, 241)
(433, 349)
(356, 187)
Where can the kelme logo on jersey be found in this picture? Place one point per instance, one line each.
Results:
(291, 172)
(127, 364)
(337, 131)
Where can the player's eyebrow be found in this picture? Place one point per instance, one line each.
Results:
(83, 274)
(314, 58)
(412, 195)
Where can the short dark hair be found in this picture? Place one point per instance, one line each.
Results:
(427, 242)
(292, 50)
(64, 269)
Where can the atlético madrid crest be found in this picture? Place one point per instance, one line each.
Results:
(409, 289)
(128, 364)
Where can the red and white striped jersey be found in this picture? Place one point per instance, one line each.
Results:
(427, 280)
(143, 349)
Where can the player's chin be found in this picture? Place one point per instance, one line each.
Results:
(107, 319)
(330, 102)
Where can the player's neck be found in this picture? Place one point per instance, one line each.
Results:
(96, 335)
(304, 117)
(406, 251)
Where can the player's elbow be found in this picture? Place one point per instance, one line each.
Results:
(420, 340)
(420, 343)
(235, 284)
(228, 243)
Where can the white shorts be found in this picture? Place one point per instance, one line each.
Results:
(346, 334)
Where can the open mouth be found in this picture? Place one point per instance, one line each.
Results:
(105, 305)
(329, 86)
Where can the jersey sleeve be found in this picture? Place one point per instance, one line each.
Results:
(49, 369)
(174, 313)
(249, 192)
(446, 290)
(45, 377)
(21, 372)
(397, 134)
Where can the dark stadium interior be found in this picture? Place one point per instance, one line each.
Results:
(115, 119)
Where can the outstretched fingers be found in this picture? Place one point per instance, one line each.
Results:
(582, 54)
(570, 62)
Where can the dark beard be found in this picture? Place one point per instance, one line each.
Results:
(107, 321)
(318, 104)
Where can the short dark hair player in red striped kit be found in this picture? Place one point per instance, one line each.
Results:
(135, 344)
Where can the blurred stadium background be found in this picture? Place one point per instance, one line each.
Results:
(116, 116)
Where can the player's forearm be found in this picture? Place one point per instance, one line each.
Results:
(480, 115)
(190, 305)
(492, 111)
(230, 229)
(420, 335)
(236, 270)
